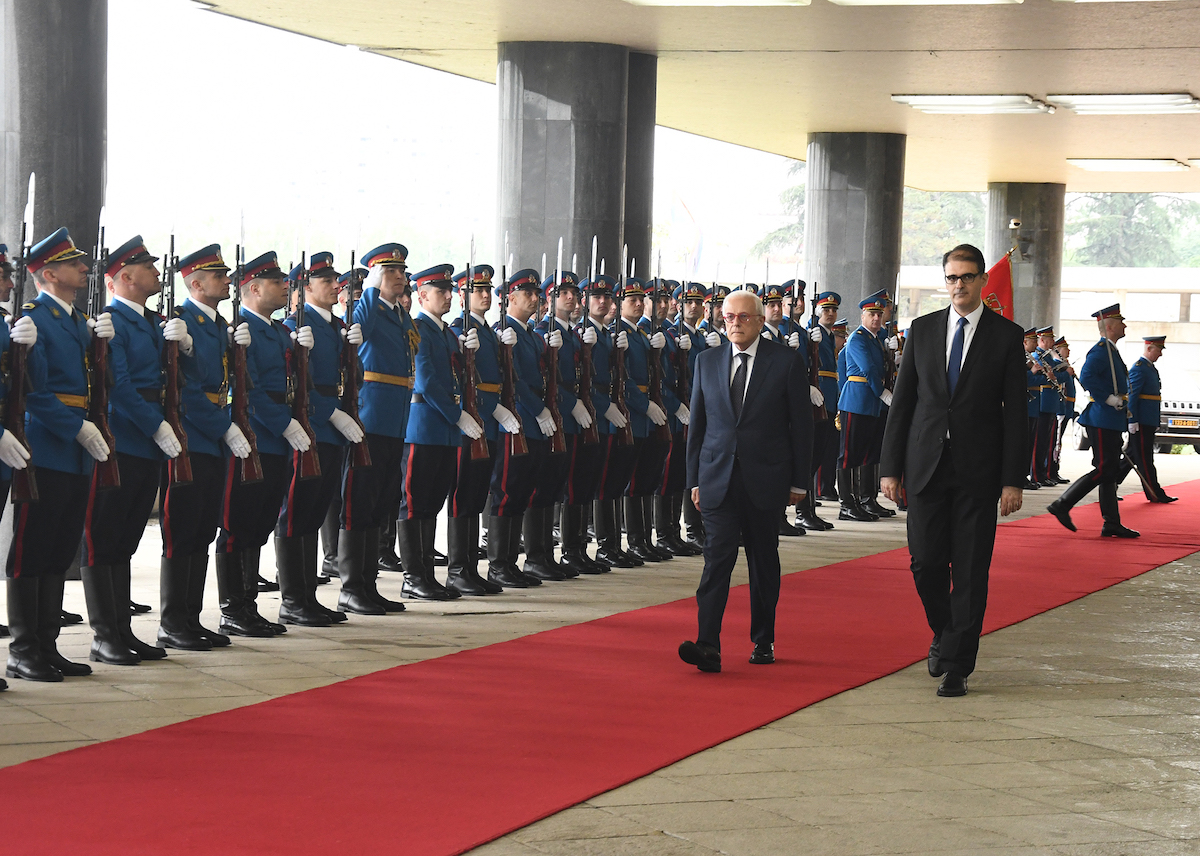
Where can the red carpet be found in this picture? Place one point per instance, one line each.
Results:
(440, 756)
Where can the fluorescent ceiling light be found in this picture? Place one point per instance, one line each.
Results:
(974, 104)
(1099, 1)
(1128, 164)
(718, 2)
(1132, 104)
(923, 2)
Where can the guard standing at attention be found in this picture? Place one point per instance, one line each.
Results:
(1145, 398)
(859, 406)
(825, 436)
(1066, 404)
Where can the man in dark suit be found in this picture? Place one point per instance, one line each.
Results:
(747, 458)
(957, 435)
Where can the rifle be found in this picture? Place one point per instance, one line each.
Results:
(1048, 372)
(820, 412)
(624, 435)
(180, 467)
(108, 473)
(308, 465)
(360, 455)
(591, 434)
(24, 482)
(682, 378)
(470, 397)
(558, 444)
(654, 369)
(249, 467)
(508, 390)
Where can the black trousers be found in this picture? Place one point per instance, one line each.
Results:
(191, 513)
(616, 468)
(859, 434)
(1043, 440)
(1033, 430)
(674, 478)
(583, 470)
(46, 533)
(1140, 450)
(827, 463)
(371, 495)
(250, 511)
(648, 468)
(738, 518)
(472, 481)
(551, 480)
(306, 501)
(951, 533)
(823, 438)
(429, 473)
(1106, 456)
(116, 518)
(514, 477)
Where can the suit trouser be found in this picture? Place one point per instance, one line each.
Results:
(737, 517)
(116, 518)
(46, 533)
(951, 533)
(307, 501)
(191, 513)
(251, 511)
(1140, 449)
(371, 495)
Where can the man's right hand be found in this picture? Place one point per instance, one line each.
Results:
(890, 485)
(1010, 500)
(237, 442)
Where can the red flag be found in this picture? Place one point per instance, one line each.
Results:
(998, 294)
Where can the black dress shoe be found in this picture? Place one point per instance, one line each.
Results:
(267, 585)
(440, 560)
(1116, 530)
(872, 506)
(642, 552)
(136, 608)
(1062, 515)
(764, 654)
(953, 685)
(511, 578)
(1032, 485)
(935, 652)
(66, 619)
(1061, 480)
(1048, 483)
(853, 512)
(703, 656)
(359, 604)
(615, 559)
(1165, 498)
(787, 529)
(183, 640)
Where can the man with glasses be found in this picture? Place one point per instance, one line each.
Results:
(957, 438)
(748, 395)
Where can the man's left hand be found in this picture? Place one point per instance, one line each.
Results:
(890, 485)
(795, 497)
(1010, 500)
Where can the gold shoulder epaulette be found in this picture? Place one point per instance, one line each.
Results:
(29, 305)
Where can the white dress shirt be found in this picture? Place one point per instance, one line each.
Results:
(968, 332)
(752, 350)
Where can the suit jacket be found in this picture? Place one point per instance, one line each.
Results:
(985, 417)
(773, 438)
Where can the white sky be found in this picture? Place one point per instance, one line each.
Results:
(326, 147)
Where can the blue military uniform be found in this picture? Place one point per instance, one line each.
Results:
(1145, 399)
(860, 408)
(825, 435)
(1049, 401)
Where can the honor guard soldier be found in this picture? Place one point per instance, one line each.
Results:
(117, 515)
(514, 477)
(64, 445)
(552, 478)
(436, 425)
(779, 327)
(468, 497)
(889, 343)
(250, 510)
(371, 495)
(859, 406)
(1034, 378)
(1066, 406)
(691, 300)
(190, 513)
(307, 500)
(840, 334)
(713, 325)
(1106, 417)
(825, 436)
(645, 416)
(1053, 371)
(1145, 397)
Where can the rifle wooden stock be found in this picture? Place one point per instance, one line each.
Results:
(181, 469)
(470, 395)
(624, 435)
(249, 467)
(360, 454)
(508, 397)
(308, 463)
(655, 382)
(558, 443)
(591, 434)
(108, 472)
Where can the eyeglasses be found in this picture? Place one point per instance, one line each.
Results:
(738, 317)
(965, 279)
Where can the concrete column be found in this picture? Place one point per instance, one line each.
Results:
(1037, 263)
(639, 160)
(854, 206)
(54, 62)
(562, 150)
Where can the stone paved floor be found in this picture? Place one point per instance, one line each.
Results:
(1081, 733)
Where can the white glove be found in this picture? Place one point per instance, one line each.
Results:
(468, 425)
(815, 396)
(303, 337)
(1133, 427)
(622, 341)
(353, 334)
(92, 440)
(615, 416)
(815, 334)
(12, 452)
(656, 414)
(166, 440)
(346, 426)
(506, 418)
(580, 414)
(589, 335)
(102, 327)
(546, 422)
(508, 336)
(793, 340)
(713, 340)
(554, 340)
(240, 335)
(893, 343)
(1115, 402)
(296, 436)
(470, 341)
(237, 442)
(24, 331)
(683, 414)
(684, 342)
(175, 330)
(658, 341)
(886, 397)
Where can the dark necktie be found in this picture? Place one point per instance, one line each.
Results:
(956, 354)
(737, 389)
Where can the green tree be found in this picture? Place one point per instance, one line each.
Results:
(935, 222)
(1132, 230)
(791, 235)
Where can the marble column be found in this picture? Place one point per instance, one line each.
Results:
(639, 160)
(1037, 262)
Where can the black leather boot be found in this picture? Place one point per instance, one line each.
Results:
(1111, 512)
(500, 570)
(646, 504)
(174, 628)
(474, 539)
(635, 531)
(350, 566)
(197, 576)
(294, 607)
(850, 509)
(671, 509)
(330, 531)
(574, 556)
(693, 524)
(388, 560)
(786, 528)
(868, 492)
(806, 515)
(371, 572)
(107, 646)
(608, 537)
(539, 556)
(50, 595)
(552, 537)
(311, 581)
(251, 560)
(462, 574)
(419, 582)
(121, 583)
(25, 659)
(236, 619)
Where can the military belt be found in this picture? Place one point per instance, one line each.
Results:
(1150, 397)
(72, 400)
(327, 390)
(217, 398)
(602, 388)
(1069, 398)
(393, 380)
(277, 397)
(418, 398)
(488, 387)
(152, 394)
(857, 378)
(643, 388)
(824, 373)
